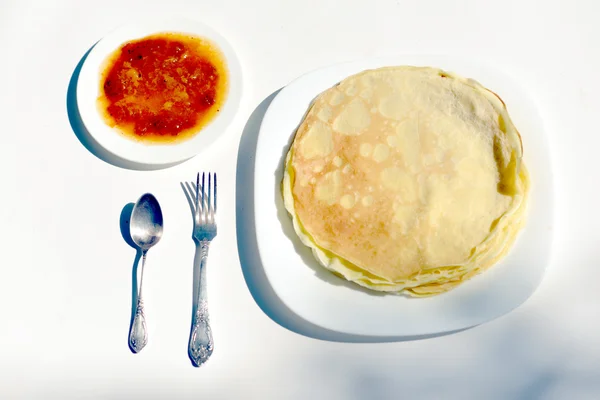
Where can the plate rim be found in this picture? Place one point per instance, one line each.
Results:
(367, 63)
(155, 154)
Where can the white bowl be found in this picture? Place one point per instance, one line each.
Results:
(88, 90)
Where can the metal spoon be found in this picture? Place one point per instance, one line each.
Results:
(146, 227)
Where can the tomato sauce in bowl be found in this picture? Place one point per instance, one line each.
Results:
(163, 88)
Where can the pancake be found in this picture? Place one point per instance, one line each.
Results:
(406, 180)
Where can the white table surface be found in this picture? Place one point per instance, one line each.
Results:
(65, 270)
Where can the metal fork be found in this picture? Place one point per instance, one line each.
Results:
(200, 346)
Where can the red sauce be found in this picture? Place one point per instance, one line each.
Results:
(163, 87)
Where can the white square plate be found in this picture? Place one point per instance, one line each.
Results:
(332, 303)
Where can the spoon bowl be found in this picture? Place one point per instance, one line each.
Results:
(146, 224)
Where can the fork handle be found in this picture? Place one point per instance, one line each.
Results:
(200, 346)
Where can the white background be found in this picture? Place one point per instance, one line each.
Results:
(65, 270)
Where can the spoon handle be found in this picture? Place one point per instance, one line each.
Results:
(200, 345)
(138, 334)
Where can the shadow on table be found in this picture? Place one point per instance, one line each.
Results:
(126, 233)
(252, 267)
(84, 136)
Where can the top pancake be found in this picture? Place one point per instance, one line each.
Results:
(404, 169)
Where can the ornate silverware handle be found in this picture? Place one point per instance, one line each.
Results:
(201, 341)
(138, 334)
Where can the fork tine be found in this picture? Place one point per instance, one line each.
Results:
(215, 201)
(203, 195)
(197, 188)
(208, 200)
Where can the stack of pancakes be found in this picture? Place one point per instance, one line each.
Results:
(406, 179)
